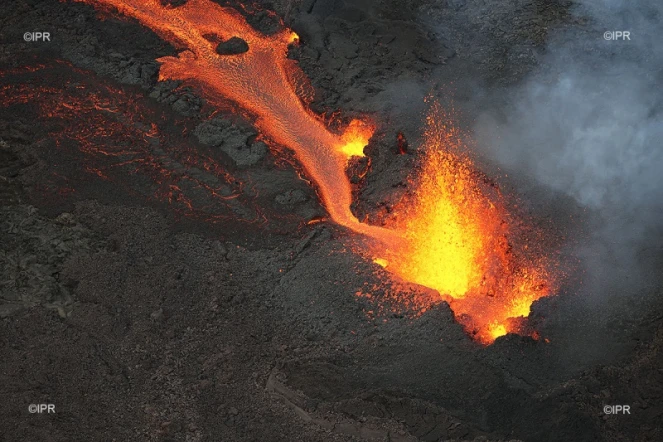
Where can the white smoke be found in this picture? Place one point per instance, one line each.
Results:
(589, 123)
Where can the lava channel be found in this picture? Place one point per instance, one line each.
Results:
(262, 81)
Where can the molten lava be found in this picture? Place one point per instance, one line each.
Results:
(458, 234)
(451, 235)
(356, 137)
(260, 81)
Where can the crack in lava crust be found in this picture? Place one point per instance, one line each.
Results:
(448, 244)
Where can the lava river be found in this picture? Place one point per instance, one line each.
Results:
(450, 236)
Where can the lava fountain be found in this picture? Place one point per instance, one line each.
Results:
(461, 241)
(450, 237)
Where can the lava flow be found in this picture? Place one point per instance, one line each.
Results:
(451, 236)
(261, 81)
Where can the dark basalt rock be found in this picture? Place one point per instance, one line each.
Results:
(232, 46)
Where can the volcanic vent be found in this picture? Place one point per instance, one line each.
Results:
(451, 237)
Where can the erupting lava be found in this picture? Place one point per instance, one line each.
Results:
(451, 236)
(458, 237)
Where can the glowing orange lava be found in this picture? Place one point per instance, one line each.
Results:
(261, 82)
(457, 241)
(450, 236)
(356, 137)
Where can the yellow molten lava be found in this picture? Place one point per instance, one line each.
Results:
(457, 240)
(381, 262)
(355, 138)
(496, 330)
(445, 245)
(447, 224)
(294, 38)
